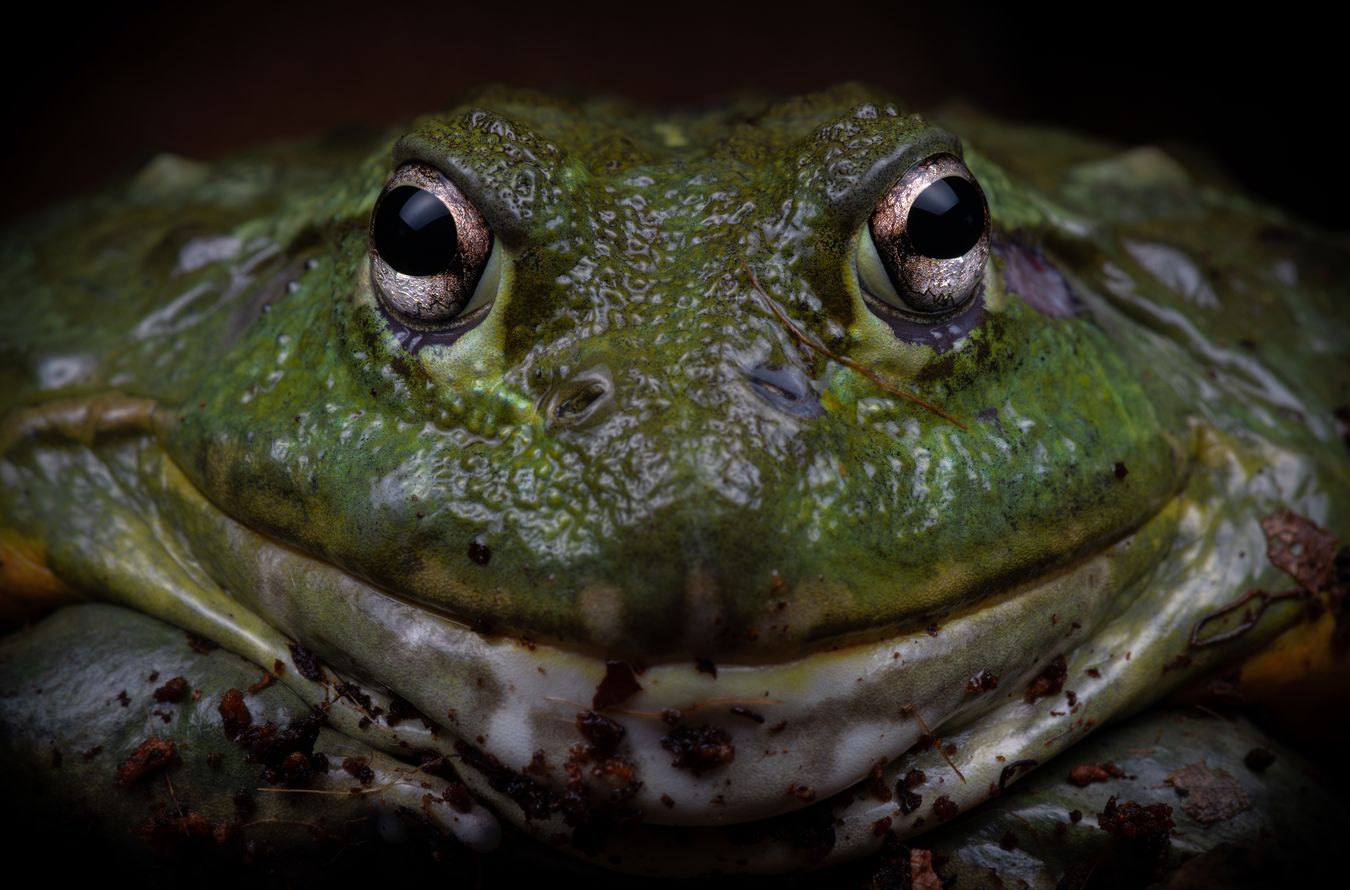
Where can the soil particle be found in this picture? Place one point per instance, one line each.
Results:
(671, 716)
(945, 808)
(748, 714)
(400, 710)
(804, 793)
(306, 663)
(618, 685)
(1300, 548)
(699, 749)
(459, 797)
(706, 666)
(286, 753)
(535, 800)
(201, 645)
(479, 552)
(1258, 760)
(358, 768)
(1050, 681)
(162, 829)
(1134, 822)
(881, 827)
(151, 755)
(234, 713)
(1075, 816)
(603, 733)
(123, 698)
(876, 783)
(904, 868)
(174, 690)
(1205, 796)
(1120, 470)
(909, 800)
(1085, 774)
(983, 681)
(667, 801)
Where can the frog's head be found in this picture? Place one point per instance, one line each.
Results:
(767, 408)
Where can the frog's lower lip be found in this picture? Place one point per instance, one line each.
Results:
(703, 744)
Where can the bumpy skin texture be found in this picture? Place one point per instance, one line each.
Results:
(209, 417)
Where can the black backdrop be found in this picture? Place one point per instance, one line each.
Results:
(93, 94)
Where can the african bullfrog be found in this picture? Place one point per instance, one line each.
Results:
(741, 490)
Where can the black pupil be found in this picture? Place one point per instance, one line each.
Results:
(414, 231)
(947, 219)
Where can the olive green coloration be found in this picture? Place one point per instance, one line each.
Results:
(680, 428)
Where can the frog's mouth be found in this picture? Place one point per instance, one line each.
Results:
(559, 741)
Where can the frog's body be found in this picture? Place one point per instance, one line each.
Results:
(660, 529)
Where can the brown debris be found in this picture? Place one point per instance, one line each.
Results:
(1300, 548)
(161, 829)
(804, 793)
(1208, 797)
(307, 663)
(201, 645)
(152, 754)
(234, 713)
(1085, 774)
(983, 681)
(1050, 681)
(286, 753)
(618, 685)
(699, 750)
(706, 666)
(267, 680)
(603, 733)
(174, 690)
(1134, 822)
(945, 808)
(356, 767)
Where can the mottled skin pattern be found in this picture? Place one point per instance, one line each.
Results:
(1146, 347)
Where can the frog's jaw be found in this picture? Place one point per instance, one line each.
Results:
(801, 730)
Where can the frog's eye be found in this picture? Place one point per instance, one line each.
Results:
(924, 250)
(429, 247)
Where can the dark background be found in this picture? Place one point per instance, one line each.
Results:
(94, 94)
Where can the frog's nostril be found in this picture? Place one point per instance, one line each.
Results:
(786, 389)
(579, 398)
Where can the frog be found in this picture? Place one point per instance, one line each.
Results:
(745, 490)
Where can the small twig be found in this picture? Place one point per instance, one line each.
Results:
(910, 710)
(806, 340)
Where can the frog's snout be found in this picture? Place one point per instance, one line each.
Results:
(581, 399)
